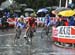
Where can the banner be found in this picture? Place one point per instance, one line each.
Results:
(54, 32)
(64, 32)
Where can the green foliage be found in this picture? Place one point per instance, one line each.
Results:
(41, 3)
(2, 1)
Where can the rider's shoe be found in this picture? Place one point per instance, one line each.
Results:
(25, 36)
(29, 39)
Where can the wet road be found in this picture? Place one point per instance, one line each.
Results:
(39, 46)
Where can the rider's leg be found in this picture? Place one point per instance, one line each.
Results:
(3, 27)
(26, 30)
(7, 26)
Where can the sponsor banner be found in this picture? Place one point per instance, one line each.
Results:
(11, 21)
(54, 32)
(64, 32)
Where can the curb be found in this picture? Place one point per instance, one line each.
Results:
(56, 43)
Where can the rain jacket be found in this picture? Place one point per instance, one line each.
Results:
(72, 21)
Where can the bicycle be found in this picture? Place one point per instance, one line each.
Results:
(29, 35)
(18, 33)
(45, 31)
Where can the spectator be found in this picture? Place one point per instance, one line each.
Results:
(60, 21)
(66, 22)
(15, 14)
(4, 23)
(74, 21)
(71, 21)
(3, 19)
(7, 14)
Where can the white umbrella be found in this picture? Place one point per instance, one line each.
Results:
(28, 9)
(17, 10)
(1, 9)
(23, 4)
(57, 10)
(62, 8)
(42, 10)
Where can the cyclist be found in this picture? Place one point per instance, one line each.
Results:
(47, 20)
(20, 24)
(30, 23)
(47, 23)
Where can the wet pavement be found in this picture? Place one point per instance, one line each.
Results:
(38, 47)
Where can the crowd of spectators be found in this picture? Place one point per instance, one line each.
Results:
(59, 21)
(65, 21)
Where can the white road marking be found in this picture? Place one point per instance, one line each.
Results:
(8, 45)
(5, 47)
(15, 45)
(18, 51)
(8, 34)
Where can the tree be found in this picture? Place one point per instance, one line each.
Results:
(2, 1)
(42, 3)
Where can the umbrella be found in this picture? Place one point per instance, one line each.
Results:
(1, 9)
(42, 10)
(61, 9)
(17, 10)
(23, 5)
(28, 9)
(74, 10)
(49, 8)
(67, 13)
(33, 14)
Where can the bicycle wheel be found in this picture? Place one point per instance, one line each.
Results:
(17, 36)
(49, 31)
(29, 36)
(43, 33)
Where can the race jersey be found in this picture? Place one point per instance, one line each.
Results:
(31, 22)
(22, 25)
(47, 21)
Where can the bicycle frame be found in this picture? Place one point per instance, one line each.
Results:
(29, 35)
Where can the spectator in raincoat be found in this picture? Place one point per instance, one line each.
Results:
(60, 21)
(4, 23)
(7, 14)
(71, 21)
(66, 21)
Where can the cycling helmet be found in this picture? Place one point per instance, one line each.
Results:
(33, 15)
(21, 16)
(3, 16)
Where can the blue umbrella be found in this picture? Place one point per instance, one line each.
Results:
(42, 10)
